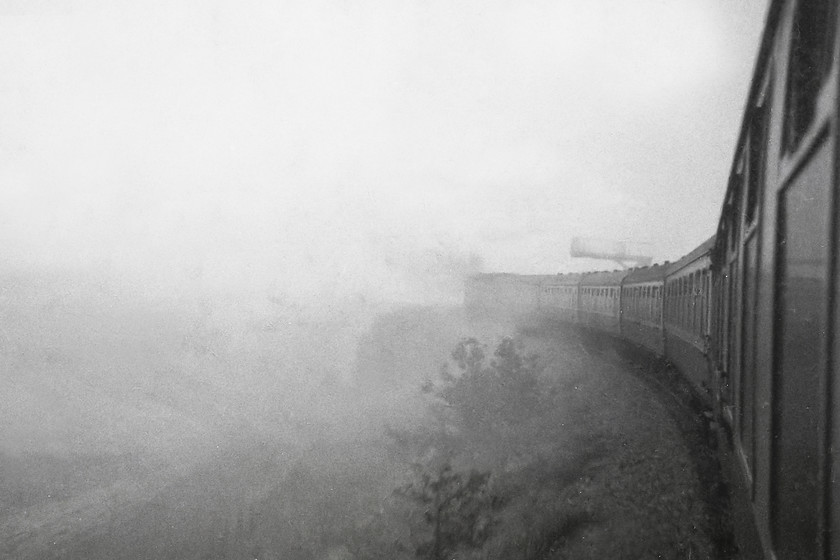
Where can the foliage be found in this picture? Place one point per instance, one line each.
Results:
(458, 509)
(494, 397)
(480, 404)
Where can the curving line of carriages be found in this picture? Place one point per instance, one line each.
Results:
(665, 308)
(752, 316)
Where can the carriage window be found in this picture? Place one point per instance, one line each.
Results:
(797, 380)
(724, 233)
(753, 181)
(732, 305)
(675, 301)
(695, 302)
(812, 47)
(689, 300)
(672, 301)
(747, 386)
(757, 158)
(732, 211)
(725, 307)
(657, 305)
(689, 290)
(701, 300)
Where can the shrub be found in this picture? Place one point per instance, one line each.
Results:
(457, 508)
(492, 398)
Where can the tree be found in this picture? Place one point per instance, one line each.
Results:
(458, 508)
(489, 398)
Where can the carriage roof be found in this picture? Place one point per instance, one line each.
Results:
(603, 278)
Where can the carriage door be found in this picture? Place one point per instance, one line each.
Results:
(798, 484)
(756, 161)
(799, 379)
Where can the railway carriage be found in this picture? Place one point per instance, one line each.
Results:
(752, 316)
(776, 277)
(600, 305)
(686, 314)
(641, 307)
(559, 296)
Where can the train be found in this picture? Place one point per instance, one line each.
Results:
(751, 317)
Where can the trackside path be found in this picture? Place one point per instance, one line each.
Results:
(654, 489)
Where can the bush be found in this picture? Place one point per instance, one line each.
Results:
(458, 510)
(489, 399)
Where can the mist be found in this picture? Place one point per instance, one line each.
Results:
(234, 234)
(312, 147)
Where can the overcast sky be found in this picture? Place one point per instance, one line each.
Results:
(339, 147)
